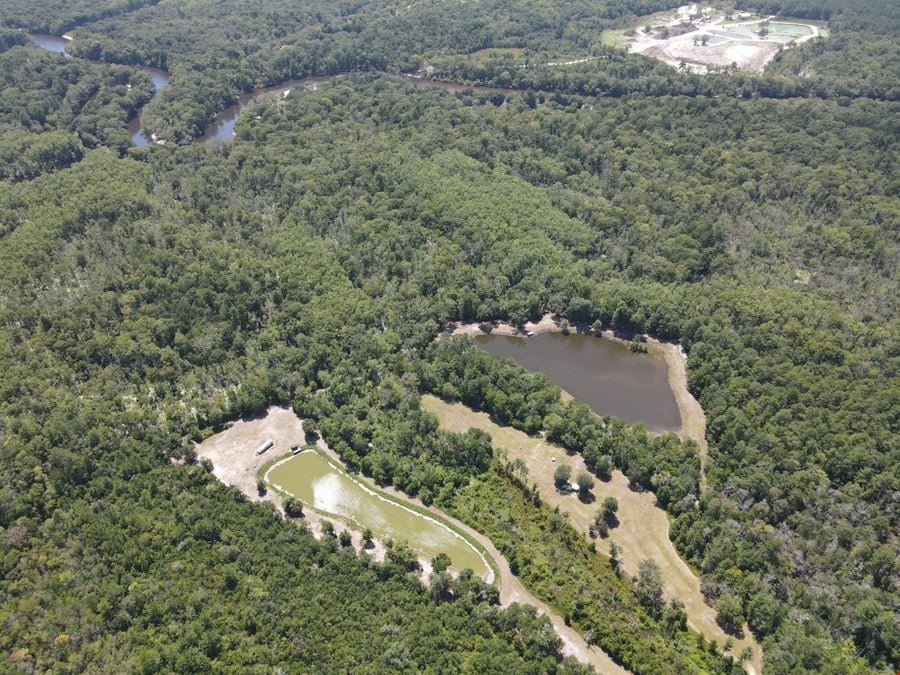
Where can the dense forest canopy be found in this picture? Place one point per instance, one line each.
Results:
(53, 108)
(151, 295)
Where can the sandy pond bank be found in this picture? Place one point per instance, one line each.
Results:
(644, 529)
(235, 463)
(693, 419)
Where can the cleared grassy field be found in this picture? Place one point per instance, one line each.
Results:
(643, 530)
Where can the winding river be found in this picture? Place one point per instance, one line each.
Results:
(59, 45)
(52, 43)
(222, 126)
(136, 126)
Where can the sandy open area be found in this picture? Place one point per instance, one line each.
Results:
(747, 55)
(748, 52)
(643, 530)
(235, 462)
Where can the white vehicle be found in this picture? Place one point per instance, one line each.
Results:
(265, 446)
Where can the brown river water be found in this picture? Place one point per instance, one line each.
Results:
(222, 127)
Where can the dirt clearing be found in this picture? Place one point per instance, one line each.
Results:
(235, 462)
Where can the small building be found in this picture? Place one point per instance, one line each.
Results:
(265, 446)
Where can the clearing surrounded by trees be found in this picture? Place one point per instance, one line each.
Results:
(643, 529)
(702, 39)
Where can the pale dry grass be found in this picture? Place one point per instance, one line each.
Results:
(643, 530)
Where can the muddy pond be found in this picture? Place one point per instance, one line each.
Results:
(318, 483)
(604, 374)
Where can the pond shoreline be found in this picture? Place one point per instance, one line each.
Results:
(693, 418)
(403, 503)
(235, 463)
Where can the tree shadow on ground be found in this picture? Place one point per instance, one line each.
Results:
(730, 628)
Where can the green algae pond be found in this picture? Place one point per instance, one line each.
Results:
(322, 485)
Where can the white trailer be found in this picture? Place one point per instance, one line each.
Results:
(265, 446)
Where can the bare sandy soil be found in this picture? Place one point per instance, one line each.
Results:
(547, 324)
(750, 52)
(693, 419)
(233, 451)
(643, 530)
(748, 55)
(235, 462)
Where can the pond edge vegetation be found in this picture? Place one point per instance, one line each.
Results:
(693, 418)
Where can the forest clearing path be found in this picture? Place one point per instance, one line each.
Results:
(643, 531)
(236, 463)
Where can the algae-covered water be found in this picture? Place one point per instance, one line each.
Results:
(316, 482)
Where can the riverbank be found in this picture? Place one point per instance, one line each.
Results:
(235, 463)
(221, 125)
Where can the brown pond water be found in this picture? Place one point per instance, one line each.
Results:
(604, 374)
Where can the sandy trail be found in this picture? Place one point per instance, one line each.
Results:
(693, 419)
(235, 462)
(643, 531)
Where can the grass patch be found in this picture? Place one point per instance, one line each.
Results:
(614, 38)
(560, 566)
